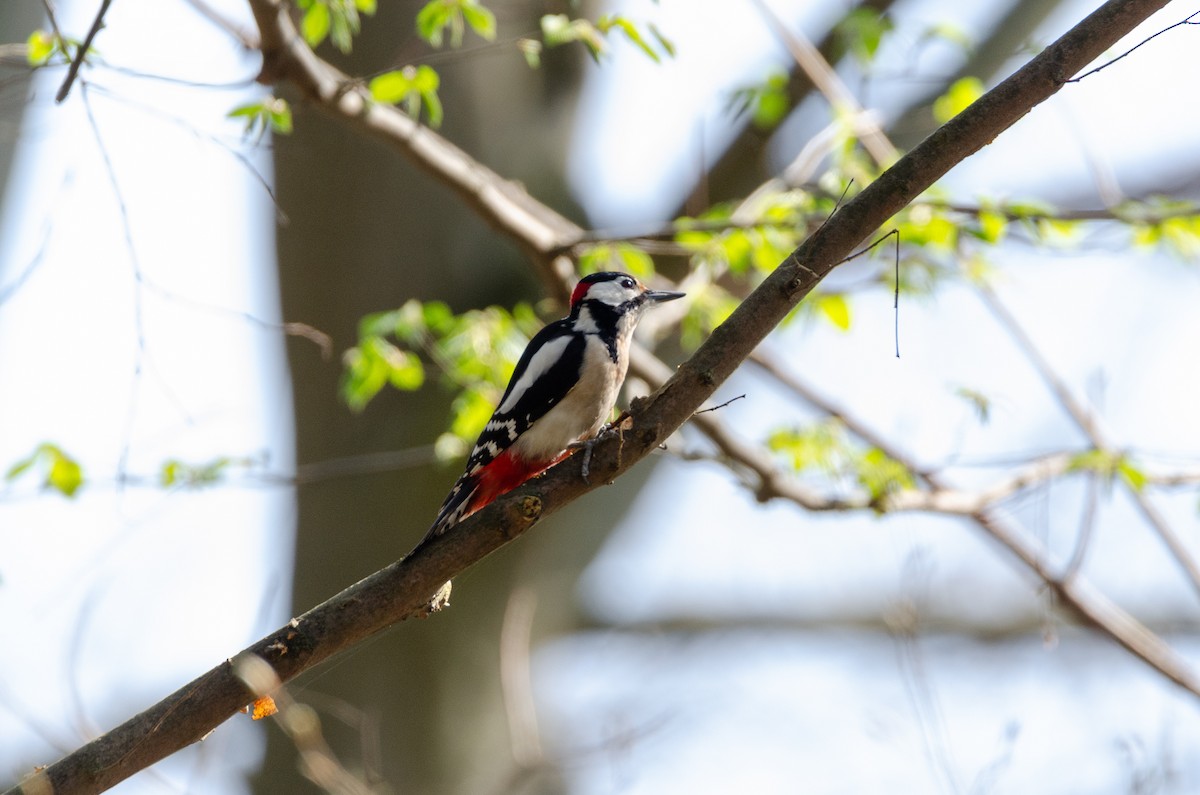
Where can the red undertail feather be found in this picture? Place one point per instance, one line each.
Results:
(503, 474)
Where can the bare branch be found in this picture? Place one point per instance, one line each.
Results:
(81, 52)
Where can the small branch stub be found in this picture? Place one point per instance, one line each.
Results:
(531, 507)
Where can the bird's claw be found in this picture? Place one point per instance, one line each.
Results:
(587, 445)
(585, 465)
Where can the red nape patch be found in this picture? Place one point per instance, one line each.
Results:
(580, 291)
(505, 472)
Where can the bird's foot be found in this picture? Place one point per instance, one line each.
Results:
(614, 428)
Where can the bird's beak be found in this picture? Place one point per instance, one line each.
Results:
(660, 296)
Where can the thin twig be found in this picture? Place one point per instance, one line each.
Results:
(247, 39)
(1188, 21)
(1087, 524)
(719, 405)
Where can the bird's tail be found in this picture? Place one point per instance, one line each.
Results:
(476, 489)
(456, 507)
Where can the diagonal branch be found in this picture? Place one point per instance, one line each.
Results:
(81, 52)
(399, 590)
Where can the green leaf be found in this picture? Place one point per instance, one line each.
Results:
(992, 226)
(168, 475)
(821, 446)
(835, 308)
(559, 29)
(407, 373)
(272, 114)
(481, 20)
(315, 24)
(390, 87)
(279, 115)
(532, 50)
(413, 87)
(555, 29)
(365, 372)
(665, 43)
(472, 409)
(1181, 234)
(65, 474)
(610, 21)
(768, 102)
(1146, 235)
(1134, 477)
(978, 401)
(958, 98)
(861, 32)
(60, 472)
(337, 20)
(432, 21)
(882, 475)
(438, 316)
(928, 226)
(407, 323)
(1108, 465)
(438, 16)
(21, 467)
(39, 47)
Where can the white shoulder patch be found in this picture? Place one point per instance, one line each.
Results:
(542, 361)
(584, 322)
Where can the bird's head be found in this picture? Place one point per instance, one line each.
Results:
(618, 291)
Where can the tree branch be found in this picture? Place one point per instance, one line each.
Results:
(400, 589)
(81, 52)
(1090, 428)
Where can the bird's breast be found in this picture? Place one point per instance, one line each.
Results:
(584, 409)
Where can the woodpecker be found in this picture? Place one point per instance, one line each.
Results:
(561, 392)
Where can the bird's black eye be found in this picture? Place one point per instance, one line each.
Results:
(627, 283)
